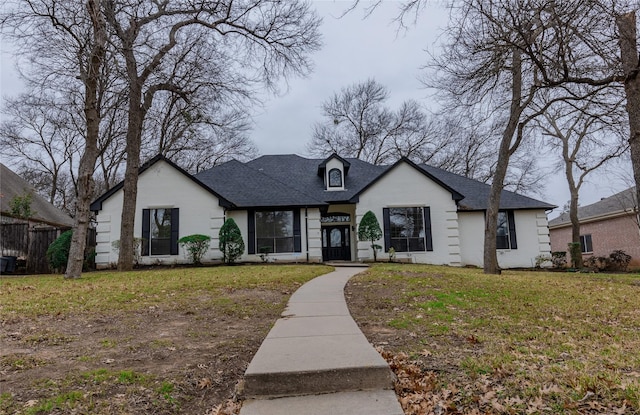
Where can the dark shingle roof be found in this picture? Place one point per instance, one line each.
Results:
(12, 185)
(476, 194)
(302, 174)
(291, 180)
(247, 186)
(619, 202)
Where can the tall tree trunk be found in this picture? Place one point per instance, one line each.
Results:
(130, 188)
(504, 154)
(576, 254)
(631, 64)
(88, 160)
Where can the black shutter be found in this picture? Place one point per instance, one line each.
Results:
(175, 228)
(512, 230)
(297, 238)
(427, 228)
(251, 224)
(386, 225)
(146, 222)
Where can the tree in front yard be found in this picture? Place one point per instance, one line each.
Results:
(231, 243)
(369, 230)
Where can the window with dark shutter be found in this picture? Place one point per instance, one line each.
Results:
(277, 231)
(160, 231)
(407, 229)
(506, 232)
(146, 215)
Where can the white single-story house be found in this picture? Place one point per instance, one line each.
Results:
(291, 208)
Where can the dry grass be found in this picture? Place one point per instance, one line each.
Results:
(104, 292)
(520, 342)
(165, 341)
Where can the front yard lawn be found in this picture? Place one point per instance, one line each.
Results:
(167, 341)
(517, 343)
(176, 341)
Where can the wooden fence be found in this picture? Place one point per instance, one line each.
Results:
(17, 239)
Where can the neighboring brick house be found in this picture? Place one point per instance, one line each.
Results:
(605, 226)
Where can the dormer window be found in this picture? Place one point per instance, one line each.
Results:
(335, 178)
(334, 170)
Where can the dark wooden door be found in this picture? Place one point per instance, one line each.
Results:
(336, 243)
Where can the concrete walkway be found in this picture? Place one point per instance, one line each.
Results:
(315, 360)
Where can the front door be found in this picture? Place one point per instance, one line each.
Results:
(335, 243)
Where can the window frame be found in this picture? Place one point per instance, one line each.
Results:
(329, 181)
(425, 242)
(586, 241)
(254, 234)
(174, 227)
(508, 241)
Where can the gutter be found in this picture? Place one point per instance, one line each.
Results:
(591, 219)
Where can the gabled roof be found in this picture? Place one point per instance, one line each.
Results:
(299, 173)
(620, 203)
(96, 205)
(454, 194)
(12, 185)
(290, 180)
(476, 194)
(323, 166)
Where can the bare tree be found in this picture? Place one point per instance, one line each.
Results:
(588, 135)
(198, 134)
(358, 124)
(231, 47)
(35, 137)
(500, 54)
(66, 46)
(629, 52)
(469, 149)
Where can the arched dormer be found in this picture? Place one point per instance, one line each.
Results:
(334, 171)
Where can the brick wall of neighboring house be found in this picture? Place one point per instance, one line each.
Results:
(606, 235)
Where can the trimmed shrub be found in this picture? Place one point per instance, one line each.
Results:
(231, 244)
(58, 252)
(369, 230)
(196, 246)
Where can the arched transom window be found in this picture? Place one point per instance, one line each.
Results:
(335, 178)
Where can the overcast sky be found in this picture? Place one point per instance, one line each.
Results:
(354, 50)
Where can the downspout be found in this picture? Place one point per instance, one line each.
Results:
(306, 230)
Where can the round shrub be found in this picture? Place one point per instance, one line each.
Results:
(231, 244)
(58, 251)
(196, 245)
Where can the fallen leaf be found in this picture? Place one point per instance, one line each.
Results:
(204, 383)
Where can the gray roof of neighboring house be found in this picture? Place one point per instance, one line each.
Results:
(619, 202)
(12, 185)
(291, 180)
